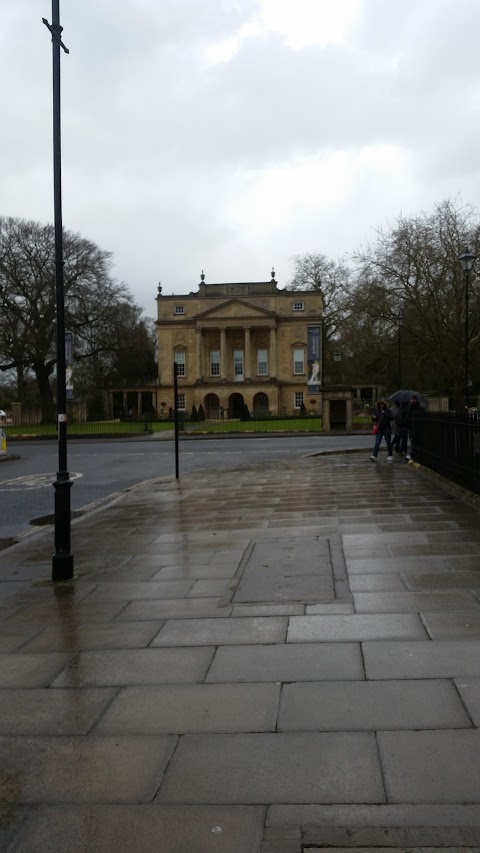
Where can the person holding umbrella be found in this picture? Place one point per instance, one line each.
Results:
(382, 428)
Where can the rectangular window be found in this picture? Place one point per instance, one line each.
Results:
(262, 362)
(238, 365)
(180, 362)
(179, 309)
(299, 306)
(181, 402)
(298, 399)
(215, 362)
(298, 361)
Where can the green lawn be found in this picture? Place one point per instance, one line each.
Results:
(122, 428)
(267, 425)
(110, 428)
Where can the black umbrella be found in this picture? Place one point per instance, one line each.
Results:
(405, 397)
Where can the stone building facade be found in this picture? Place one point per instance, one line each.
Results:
(235, 344)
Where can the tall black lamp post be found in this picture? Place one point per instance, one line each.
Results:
(62, 561)
(467, 261)
(399, 321)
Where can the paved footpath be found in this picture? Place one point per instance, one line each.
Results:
(272, 659)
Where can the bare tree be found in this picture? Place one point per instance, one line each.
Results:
(414, 267)
(314, 271)
(28, 303)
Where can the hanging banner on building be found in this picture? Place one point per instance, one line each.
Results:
(69, 365)
(314, 359)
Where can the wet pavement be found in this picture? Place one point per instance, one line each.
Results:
(270, 659)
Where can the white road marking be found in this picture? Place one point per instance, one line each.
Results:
(32, 481)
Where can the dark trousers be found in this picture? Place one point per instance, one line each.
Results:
(378, 440)
(403, 439)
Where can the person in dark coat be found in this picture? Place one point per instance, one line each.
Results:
(397, 427)
(409, 411)
(382, 417)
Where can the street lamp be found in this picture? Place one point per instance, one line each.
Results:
(399, 318)
(467, 262)
(62, 561)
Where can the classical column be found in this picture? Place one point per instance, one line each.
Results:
(272, 367)
(125, 406)
(199, 354)
(247, 366)
(223, 354)
(139, 403)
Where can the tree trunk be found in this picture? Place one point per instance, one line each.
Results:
(21, 385)
(47, 403)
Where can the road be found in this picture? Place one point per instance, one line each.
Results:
(103, 468)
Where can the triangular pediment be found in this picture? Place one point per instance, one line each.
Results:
(235, 308)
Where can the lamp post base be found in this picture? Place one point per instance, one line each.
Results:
(62, 560)
(62, 567)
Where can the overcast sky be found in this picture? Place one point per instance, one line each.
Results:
(231, 135)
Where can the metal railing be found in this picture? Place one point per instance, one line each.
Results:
(449, 444)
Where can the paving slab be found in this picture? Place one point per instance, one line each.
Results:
(444, 580)
(95, 636)
(274, 768)
(435, 659)
(414, 602)
(218, 587)
(83, 770)
(137, 591)
(447, 626)
(416, 839)
(31, 670)
(50, 613)
(142, 828)
(460, 564)
(197, 571)
(389, 815)
(182, 608)
(297, 555)
(293, 570)
(192, 708)
(377, 583)
(398, 848)
(217, 632)
(122, 667)
(282, 662)
(329, 608)
(439, 549)
(357, 565)
(52, 712)
(279, 588)
(11, 589)
(285, 609)
(14, 636)
(359, 627)
(370, 706)
(469, 689)
(352, 541)
(414, 766)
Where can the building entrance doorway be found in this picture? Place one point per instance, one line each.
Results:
(338, 414)
(212, 406)
(235, 405)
